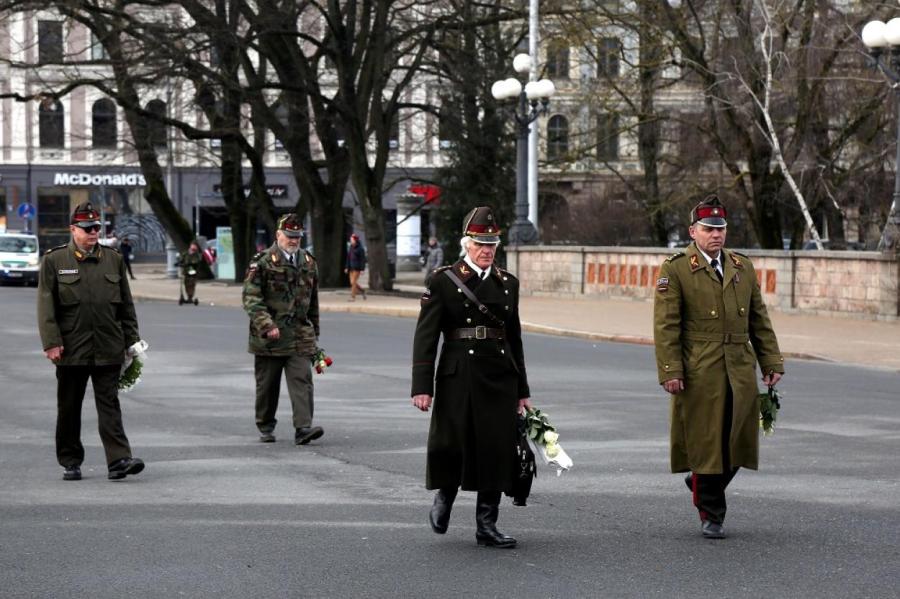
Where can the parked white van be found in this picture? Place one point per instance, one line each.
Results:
(19, 258)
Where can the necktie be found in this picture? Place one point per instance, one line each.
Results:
(291, 259)
(483, 273)
(715, 265)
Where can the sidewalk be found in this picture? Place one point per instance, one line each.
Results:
(850, 341)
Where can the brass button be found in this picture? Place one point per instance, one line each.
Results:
(504, 278)
(471, 351)
(507, 307)
(666, 367)
(458, 290)
(742, 310)
(712, 312)
(469, 320)
(466, 304)
(506, 291)
(502, 351)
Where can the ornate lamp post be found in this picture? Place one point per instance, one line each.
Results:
(533, 100)
(883, 41)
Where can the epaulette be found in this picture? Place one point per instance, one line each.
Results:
(674, 256)
(441, 268)
(59, 247)
(504, 274)
(740, 254)
(309, 256)
(257, 256)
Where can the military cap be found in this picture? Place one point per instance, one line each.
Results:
(480, 225)
(291, 225)
(710, 212)
(85, 216)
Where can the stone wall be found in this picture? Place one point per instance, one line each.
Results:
(851, 284)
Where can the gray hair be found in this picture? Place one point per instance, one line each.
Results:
(466, 240)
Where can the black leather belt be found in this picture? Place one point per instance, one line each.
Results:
(475, 333)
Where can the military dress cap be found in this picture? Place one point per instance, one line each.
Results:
(480, 225)
(84, 215)
(710, 212)
(291, 225)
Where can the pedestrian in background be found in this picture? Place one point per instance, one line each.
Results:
(481, 383)
(711, 327)
(356, 264)
(434, 259)
(281, 297)
(127, 251)
(189, 262)
(87, 320)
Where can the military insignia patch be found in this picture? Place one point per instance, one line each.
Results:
(695, 262)
(736, 261)
(463, 269)
(68, 271)
(662, 284)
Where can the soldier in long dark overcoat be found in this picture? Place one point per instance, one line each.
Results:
(711, 327)
(281, 297)
(479, 383)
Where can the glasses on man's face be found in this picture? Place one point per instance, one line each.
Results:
(90, 228)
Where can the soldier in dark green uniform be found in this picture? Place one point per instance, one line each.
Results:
(87, 321)
(710, 328)
(479, 384)
(281, 298)
(189, 262)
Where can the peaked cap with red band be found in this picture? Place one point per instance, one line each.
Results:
(710, 212)
(84, 215)
(291, 225)
(480, 225)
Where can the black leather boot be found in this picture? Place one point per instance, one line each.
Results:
(487, 508)
(439, 516)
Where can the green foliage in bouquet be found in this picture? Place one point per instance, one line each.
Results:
(769, 404)
(537, 423)
(131, 376)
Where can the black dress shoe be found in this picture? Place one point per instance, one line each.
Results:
(72, 473)
(266, 438)
(123, 467)
(712, 530)
(307, 433)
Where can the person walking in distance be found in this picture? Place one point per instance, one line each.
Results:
(356, 264)
(435, 258)
(127, 251)
(711, 327)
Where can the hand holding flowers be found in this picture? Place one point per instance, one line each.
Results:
(769, 404)
(133, 366)
(321, 361)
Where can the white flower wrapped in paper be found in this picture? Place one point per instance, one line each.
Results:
(130, 375)
(544, 441)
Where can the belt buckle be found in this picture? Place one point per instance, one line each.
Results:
(480, 332)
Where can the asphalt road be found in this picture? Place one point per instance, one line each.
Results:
(217, 514)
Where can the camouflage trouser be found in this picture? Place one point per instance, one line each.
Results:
(298, 373)
(190, 285)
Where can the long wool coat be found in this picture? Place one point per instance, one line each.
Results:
(711, 334)
(477, 383)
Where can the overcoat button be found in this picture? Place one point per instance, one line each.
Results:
(471, 351)
(506, 291)
(468, 321)
(505, 278)
(507, 307)
(458, 290)
(712, 312)
(502, 351)
(666, 367)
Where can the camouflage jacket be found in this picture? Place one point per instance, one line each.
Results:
(277, 294)
(189, 263)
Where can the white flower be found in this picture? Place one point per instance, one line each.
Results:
(550, 437)
(552, 450)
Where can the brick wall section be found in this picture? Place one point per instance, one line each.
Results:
(850, 284)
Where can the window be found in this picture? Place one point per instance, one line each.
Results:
(98, 50)
(51, 123)
(558, 60)
(557, 137)
(50, 41)
(608, 52)
(608, 137)
(156, 131)
(103, 123)
(394, 133)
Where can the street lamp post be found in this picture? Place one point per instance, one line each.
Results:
(532, 100)
(883, 41)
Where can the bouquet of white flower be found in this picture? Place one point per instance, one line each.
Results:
(133, 365)
(544, 440)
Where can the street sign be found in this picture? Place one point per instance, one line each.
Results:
(26, 211)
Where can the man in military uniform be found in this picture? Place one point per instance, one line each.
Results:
(87, 321)
(710, 328)
(281, 297)
(189, 262)
(481, 381)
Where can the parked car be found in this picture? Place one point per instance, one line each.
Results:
(19, 258)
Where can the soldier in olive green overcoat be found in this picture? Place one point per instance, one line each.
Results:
(281, 297)
(86, 319)
(711, 327)
(481, 381)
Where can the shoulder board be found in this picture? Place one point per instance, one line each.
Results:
(674, 256)
(504, 274)
(441, 268)
(257, 256)
(116, 250)
(59, 247)
(309, 256)
(740, 254)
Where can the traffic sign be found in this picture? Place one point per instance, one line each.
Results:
(26, 211)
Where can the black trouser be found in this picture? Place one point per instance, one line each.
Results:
(709, 489)
(298, 372)
(128, 268)
(70, 389)
(190, 285)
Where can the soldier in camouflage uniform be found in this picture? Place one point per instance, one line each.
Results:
(87, 320)
(281, 297)
(189, 262)
(711, 327)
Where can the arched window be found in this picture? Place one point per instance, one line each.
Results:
(156, 130)
(557, 137)
(51, 123)
(103, 123)
(558, 60)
